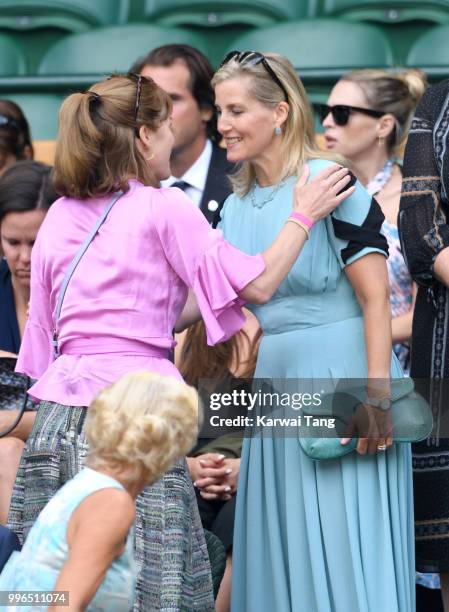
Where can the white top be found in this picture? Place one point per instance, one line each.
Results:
(196, 176)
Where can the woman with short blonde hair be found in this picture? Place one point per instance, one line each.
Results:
(138, 425)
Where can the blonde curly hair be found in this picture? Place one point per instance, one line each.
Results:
(141, 424)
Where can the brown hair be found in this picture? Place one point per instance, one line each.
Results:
(15, 136)
(96, 151)
(395, 93)
(25, 186)
(200, 71)
(199, 360)
(298, 131)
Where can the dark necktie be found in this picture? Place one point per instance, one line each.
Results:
(183, 185)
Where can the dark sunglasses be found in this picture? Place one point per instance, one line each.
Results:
(341, 112)
(252, 58)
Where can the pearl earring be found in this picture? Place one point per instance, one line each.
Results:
(277, 130)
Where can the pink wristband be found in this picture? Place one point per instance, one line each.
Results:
(307, 222)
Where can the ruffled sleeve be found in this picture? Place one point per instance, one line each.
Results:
(36, 352)
(215, 270)
(354, 227)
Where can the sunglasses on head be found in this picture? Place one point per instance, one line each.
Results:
(341, 112)
(252, 58)
(137, 102)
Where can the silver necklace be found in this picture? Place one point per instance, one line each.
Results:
(268, 199)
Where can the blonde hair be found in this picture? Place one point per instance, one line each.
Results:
(141, 424)
(298, 132)
(396, 93)
(96, 151)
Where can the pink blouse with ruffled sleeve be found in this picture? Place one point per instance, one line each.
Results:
(128, 290)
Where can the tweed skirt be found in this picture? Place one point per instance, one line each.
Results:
(170, 549)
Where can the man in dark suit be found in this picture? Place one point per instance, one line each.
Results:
(198, 163)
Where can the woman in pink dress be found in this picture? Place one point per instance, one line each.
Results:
(123, 302)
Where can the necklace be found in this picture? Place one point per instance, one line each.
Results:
(268, 199)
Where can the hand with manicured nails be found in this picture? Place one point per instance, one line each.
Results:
(214, 475)
(320, 196)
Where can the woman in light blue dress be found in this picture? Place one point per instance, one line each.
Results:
(335, 535)
(37, 567)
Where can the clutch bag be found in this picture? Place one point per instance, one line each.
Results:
(411, 418)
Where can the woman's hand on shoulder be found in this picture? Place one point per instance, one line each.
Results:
(321, 195)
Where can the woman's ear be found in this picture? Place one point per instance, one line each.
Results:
(387, 123)
(145, 135)
(281, 113)
(144, 142)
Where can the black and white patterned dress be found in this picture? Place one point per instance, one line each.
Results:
(424, 231)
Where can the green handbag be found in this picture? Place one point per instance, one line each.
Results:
(411, 417)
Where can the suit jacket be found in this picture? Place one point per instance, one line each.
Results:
(217, 186)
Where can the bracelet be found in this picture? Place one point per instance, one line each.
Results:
(300, 217)
(301, 225)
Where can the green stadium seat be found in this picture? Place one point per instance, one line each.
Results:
(388, 11)
(12, 59)
(431, 50)
(106, 50)
(217, 13)
(73, 15)
(401, 20)
(322, 44)
(41, 110)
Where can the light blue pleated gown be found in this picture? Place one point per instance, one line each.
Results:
(330, 536)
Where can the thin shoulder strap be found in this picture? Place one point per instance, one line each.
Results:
(74, 263)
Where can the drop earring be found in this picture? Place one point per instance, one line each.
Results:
(150, 158)
(277, 130)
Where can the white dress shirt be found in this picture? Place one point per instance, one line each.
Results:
(196, 176)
